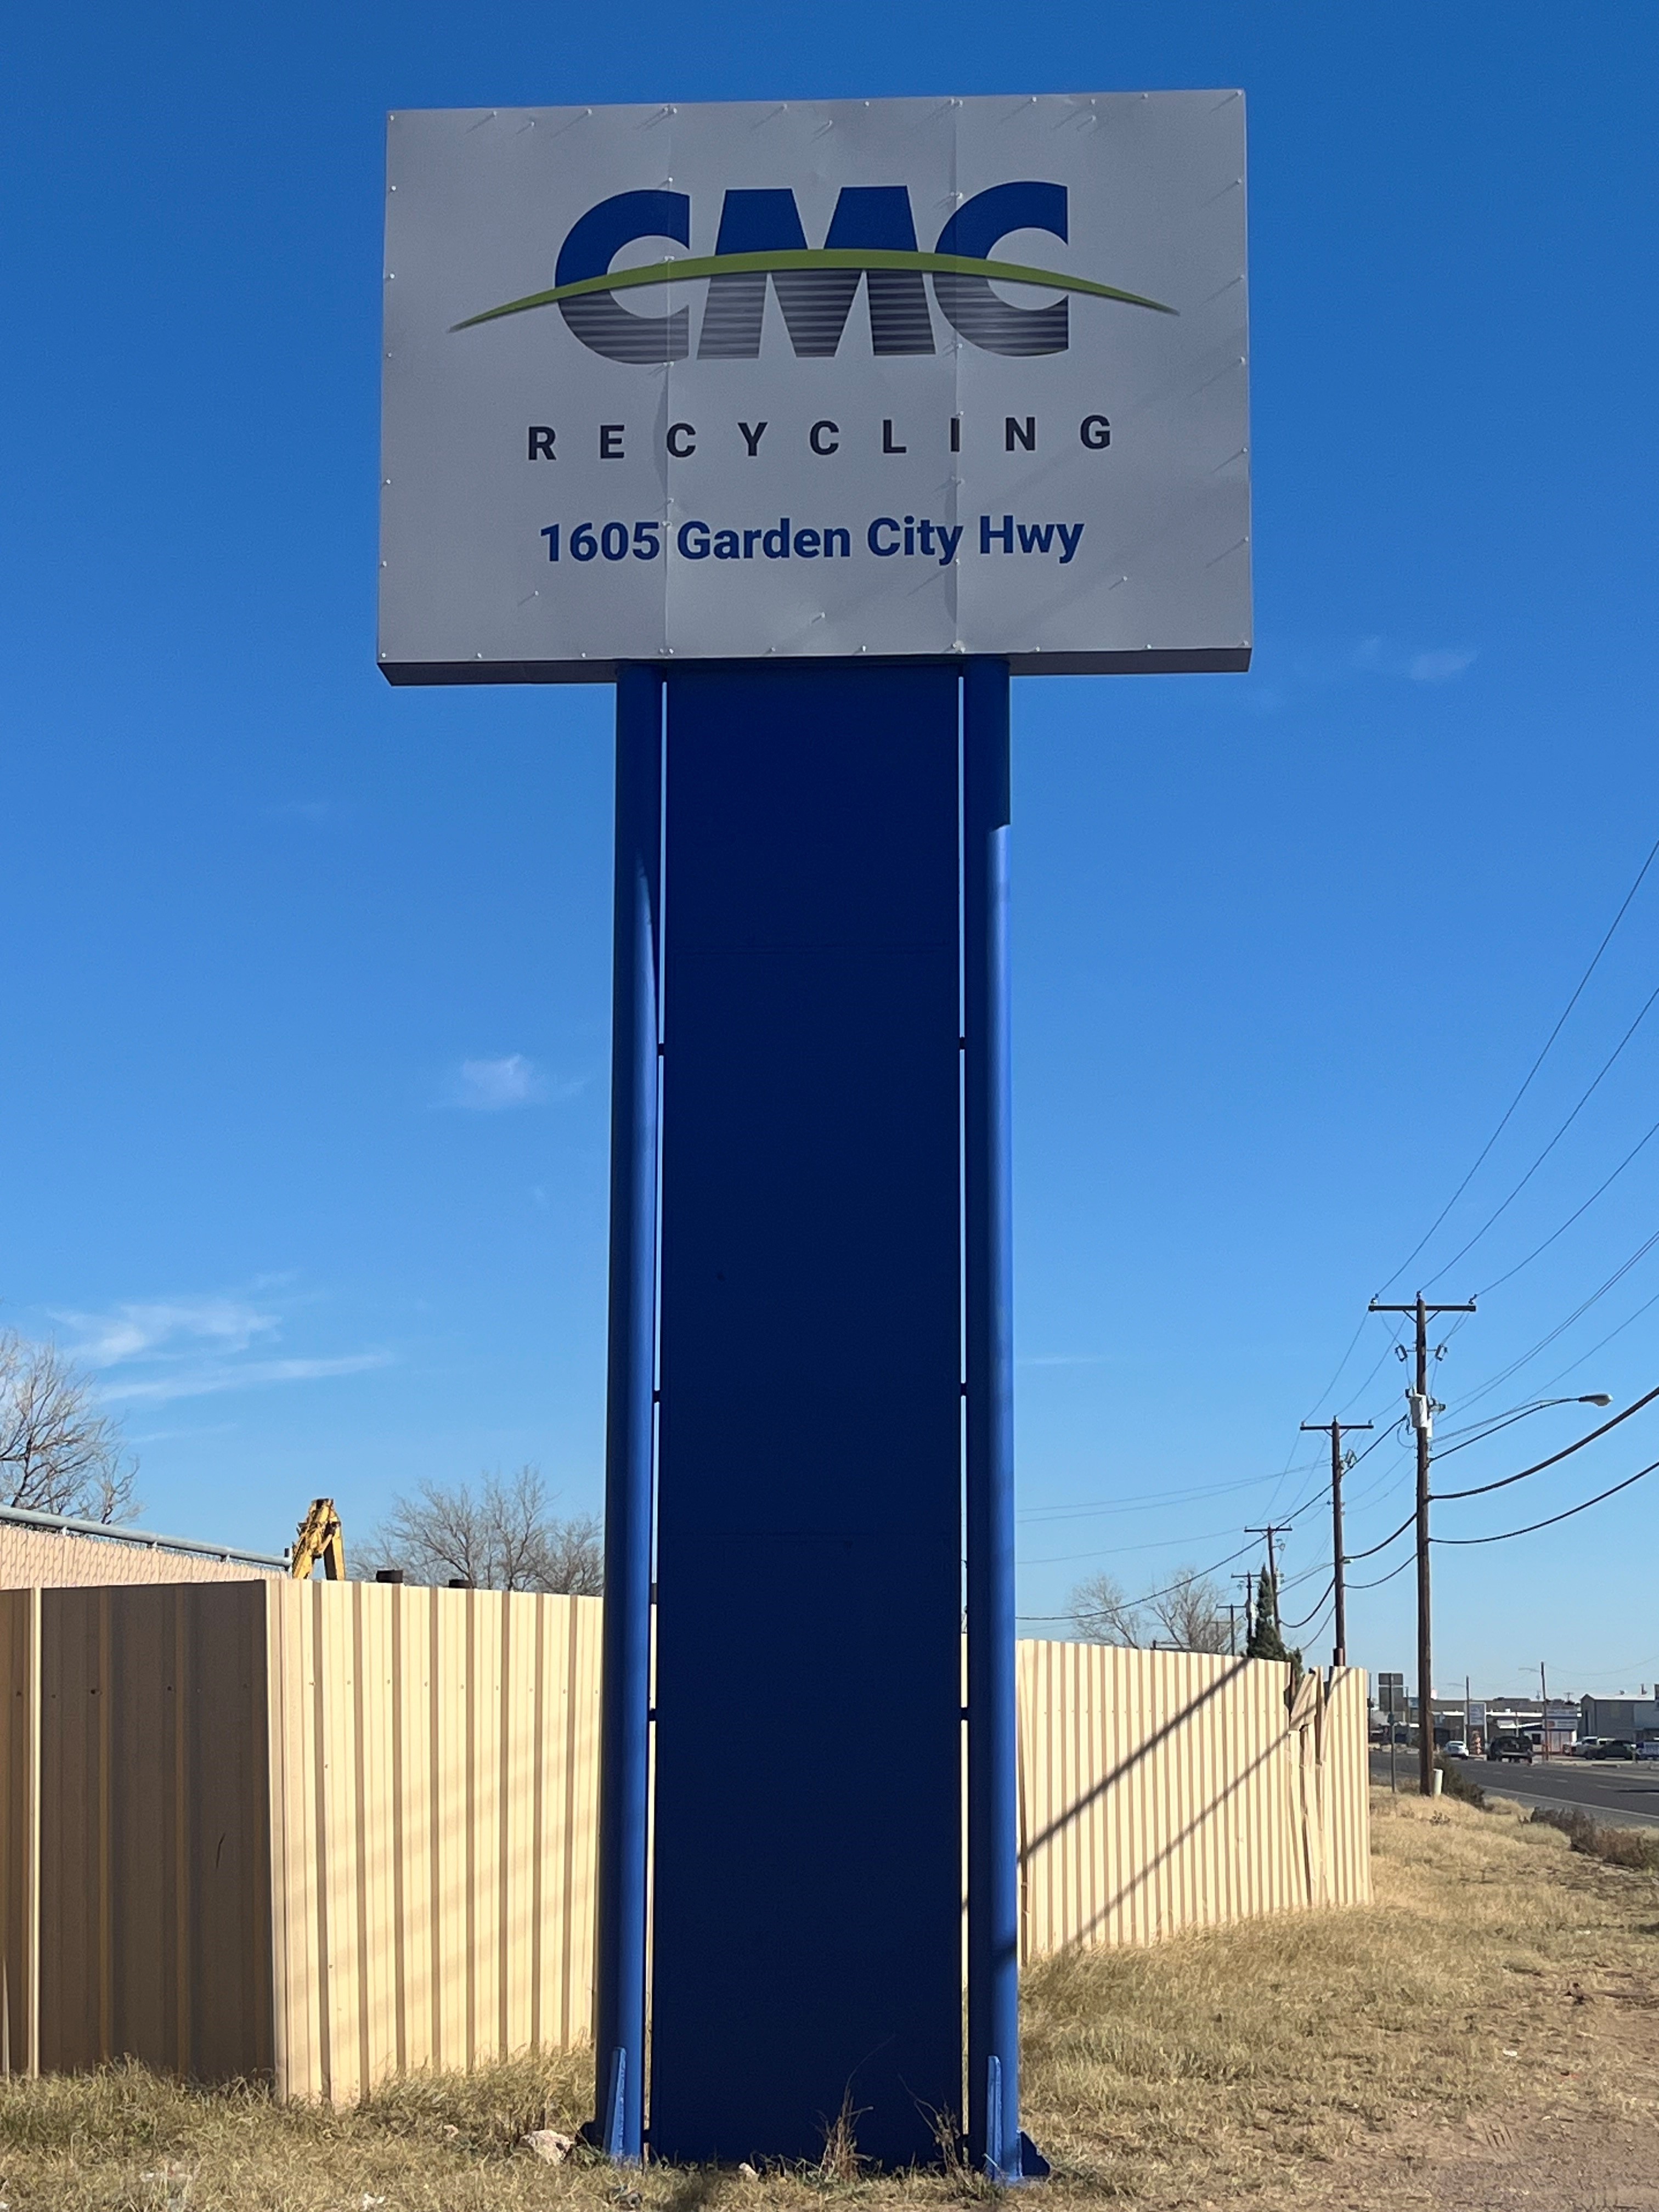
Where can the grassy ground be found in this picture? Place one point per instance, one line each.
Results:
(1498, 1972)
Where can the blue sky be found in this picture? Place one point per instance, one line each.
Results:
(303, 1109)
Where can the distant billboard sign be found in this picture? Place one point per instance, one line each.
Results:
(905, 377)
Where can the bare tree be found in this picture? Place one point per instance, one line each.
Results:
(58, 1454)
(575, 1557)
(1103, 1614)
(503, 1535)
(1192, 1612)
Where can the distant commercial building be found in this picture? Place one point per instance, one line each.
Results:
(1634, 1718)
(1479, 1719)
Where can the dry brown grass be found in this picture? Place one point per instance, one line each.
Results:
(1496, 1970)
(1219, 2065)
(1621, 1847)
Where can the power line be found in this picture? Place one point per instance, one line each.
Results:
(1340, 1364)
(1548, 1148)
(1572, 1216)
(1325, 1392)
(1561, 1327)
(1310, 1497)
(1385, 1490)
(1490, 1424)
(1324, 1597)
(1445, 1497)
(1319, 1621)
(1562, 1373)
(1040, 1513)
(1387, 1541)
(1527, 1085)
(1115, 1551)
(1389, 1576)
(1150, 1595)
(1532, 1526)
(1382, 1360)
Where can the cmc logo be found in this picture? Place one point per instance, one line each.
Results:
(871, 238)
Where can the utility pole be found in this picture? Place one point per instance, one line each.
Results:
(1233, 1632)
(1273, 1528)
(1247, 1583)
(1338, 1428)
(1543, 1713)
(1422, 1418)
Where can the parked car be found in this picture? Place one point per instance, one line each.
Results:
(1648, 1748)
(1614, 1746)
(1587, 1747)
(1510, 1743)
(1454, 1747)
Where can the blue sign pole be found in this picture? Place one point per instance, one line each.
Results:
(994, 2138)
(807, 1759)
(807, 1960)
(619, 1965)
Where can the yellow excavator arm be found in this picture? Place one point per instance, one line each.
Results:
(320, 1537)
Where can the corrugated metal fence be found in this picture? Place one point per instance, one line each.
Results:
(435, 1790)
(334, 1831)
(1161, 1790)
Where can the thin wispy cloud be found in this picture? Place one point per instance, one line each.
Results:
(207, 1381)
(195, 1432)
(167, 1328)
(1440, 665)
(495, 1086)
(153, 1350)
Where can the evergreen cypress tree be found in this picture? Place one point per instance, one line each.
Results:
(1265, 1642)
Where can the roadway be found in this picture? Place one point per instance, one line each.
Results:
(1623, 1794)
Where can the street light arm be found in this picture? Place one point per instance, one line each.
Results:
(1481, 1489)
(1481, 1430)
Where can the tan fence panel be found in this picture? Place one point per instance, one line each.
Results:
(334, 1832)
(1347, 1767)
(155, 1879)
(434, 1772)
(1161, 1791)
(19, 1831)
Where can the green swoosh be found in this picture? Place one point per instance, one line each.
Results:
(815, 257)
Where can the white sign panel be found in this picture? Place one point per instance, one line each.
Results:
(862, 377)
